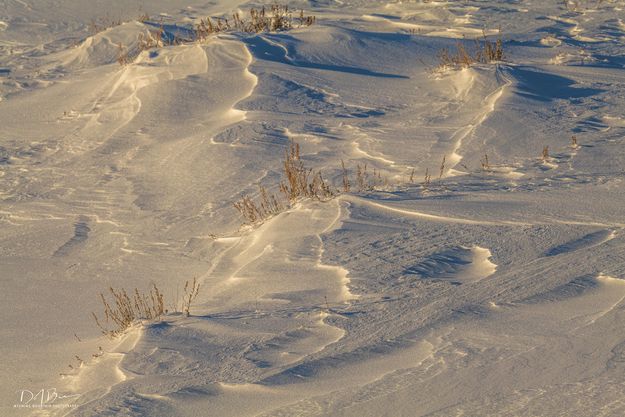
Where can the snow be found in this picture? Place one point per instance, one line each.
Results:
(498, 289)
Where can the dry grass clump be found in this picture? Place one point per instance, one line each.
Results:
(124, 309)
(151, 39)
(275, 19)
(366, 181)
(427, 178)
(483, 52)
(123, 55)
(103, 23)
(268, 205)
(97, 25)
(146, 41)
(299, 182)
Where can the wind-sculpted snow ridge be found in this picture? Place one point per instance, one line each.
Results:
(493, 287)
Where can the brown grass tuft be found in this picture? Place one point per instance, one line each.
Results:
(275, 19)
(483, 52)
(299, 182)
(123, 55)
(101, 24)
(151, 39)
(254, 212)
(124, 309)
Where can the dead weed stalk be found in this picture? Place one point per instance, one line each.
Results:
(191, 290)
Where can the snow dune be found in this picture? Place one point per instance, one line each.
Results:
(496, 289)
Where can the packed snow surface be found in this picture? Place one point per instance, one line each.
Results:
(496, 287)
